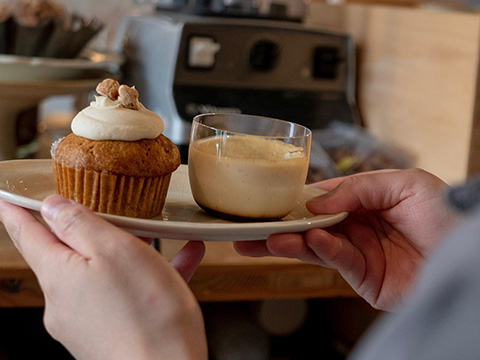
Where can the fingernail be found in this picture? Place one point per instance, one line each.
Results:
(309, 202)
(52, 205)
(315, 199)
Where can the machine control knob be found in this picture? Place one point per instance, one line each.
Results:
(263, 55)
(325, 62)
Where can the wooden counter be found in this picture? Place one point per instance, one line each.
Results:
(222, 276)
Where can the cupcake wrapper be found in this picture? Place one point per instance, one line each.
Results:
(142, 197)
(6, 27)
(82, 38)
(69, 42)
(58, 44)
(29, 40)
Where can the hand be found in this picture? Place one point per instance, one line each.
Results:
(396, 217)
(108, 295)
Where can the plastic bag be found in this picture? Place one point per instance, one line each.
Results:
(343, 149)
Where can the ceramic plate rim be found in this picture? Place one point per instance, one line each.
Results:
(79, 62)
(209, 231)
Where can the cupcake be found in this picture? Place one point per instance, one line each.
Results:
(32, 25)
(116, 160)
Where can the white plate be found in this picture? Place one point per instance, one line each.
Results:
(27, 182)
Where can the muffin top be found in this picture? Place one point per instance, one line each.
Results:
(146, 157)
(116, 134)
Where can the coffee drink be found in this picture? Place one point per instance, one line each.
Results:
(247, 176)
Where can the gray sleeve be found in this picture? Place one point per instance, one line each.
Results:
(441, 318)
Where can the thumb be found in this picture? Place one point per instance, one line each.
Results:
(79, 228)
(372, 191)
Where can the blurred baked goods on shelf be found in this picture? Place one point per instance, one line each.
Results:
(43, 28)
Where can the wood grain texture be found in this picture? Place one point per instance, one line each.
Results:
(20, 292)
(223, 275)
(417, 79)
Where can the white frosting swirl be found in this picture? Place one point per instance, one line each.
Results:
(107, 119)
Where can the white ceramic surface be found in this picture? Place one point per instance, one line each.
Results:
(28, 182)
(28, 69)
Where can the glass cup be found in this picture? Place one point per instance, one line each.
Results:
(246, 167)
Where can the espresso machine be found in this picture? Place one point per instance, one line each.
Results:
(191, 60)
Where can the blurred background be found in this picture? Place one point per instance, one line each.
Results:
(382, 84)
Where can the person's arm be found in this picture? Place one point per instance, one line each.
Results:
(396, 218)
(108, 295)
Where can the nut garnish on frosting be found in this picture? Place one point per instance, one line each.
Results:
(128, 97)
(108, 88)
(117, 114)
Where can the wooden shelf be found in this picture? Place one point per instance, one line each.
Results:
(223, 275)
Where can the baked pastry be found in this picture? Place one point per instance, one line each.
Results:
(116, 160)
(44, 28)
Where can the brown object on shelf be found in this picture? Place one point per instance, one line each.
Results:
(69, 36)
(44, 28)
(32, 25)
(5, 25)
